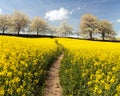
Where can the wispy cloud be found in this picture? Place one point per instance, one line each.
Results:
(79, 8)
(59, 14)
(0, 10)
(118, 20)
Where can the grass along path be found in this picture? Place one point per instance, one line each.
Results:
(53, 87)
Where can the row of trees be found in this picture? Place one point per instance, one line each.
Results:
(90, 26)
(15, 22)
(19, 22)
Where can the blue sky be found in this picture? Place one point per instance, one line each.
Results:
(71, 10)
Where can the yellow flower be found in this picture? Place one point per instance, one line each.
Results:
(99, 91)
(112, 80)
(16, 79)
(108, 77)
(84, 74)
(23, 95)
(107, 86)
(102, 81)
(114, 69)
(18, 90)
(2, 91)
(96, 89)
(89, 83)
(98, 77)
(10, 91)
(91, 76)
(96, 64)
(118, 88)
(9, 74)
(116, 95)
(2, 73)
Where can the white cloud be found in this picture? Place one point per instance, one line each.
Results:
(0, 11)
(118, 34)
(118, 20)
(59, 14)
(78, 8)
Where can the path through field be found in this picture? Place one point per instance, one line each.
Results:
(53, 87)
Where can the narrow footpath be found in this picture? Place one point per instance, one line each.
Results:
(53, 87)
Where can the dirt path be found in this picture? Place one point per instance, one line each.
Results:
(53, 87)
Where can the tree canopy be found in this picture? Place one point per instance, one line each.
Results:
(38, 25)
(105, 28)
(19, 21)
(65, 29)
(4, 22)
(90, 25)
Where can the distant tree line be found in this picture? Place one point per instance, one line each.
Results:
(90, 26)
(19, 22)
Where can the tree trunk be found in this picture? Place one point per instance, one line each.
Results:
(91, 35)
(103, 36)
(3, 30)
(65, 34)
(51, 33)
(19, 31)
(37, 31)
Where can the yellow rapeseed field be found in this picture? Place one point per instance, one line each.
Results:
(90, 68)
(23, 64)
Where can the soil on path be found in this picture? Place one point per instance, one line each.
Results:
(53, 87)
